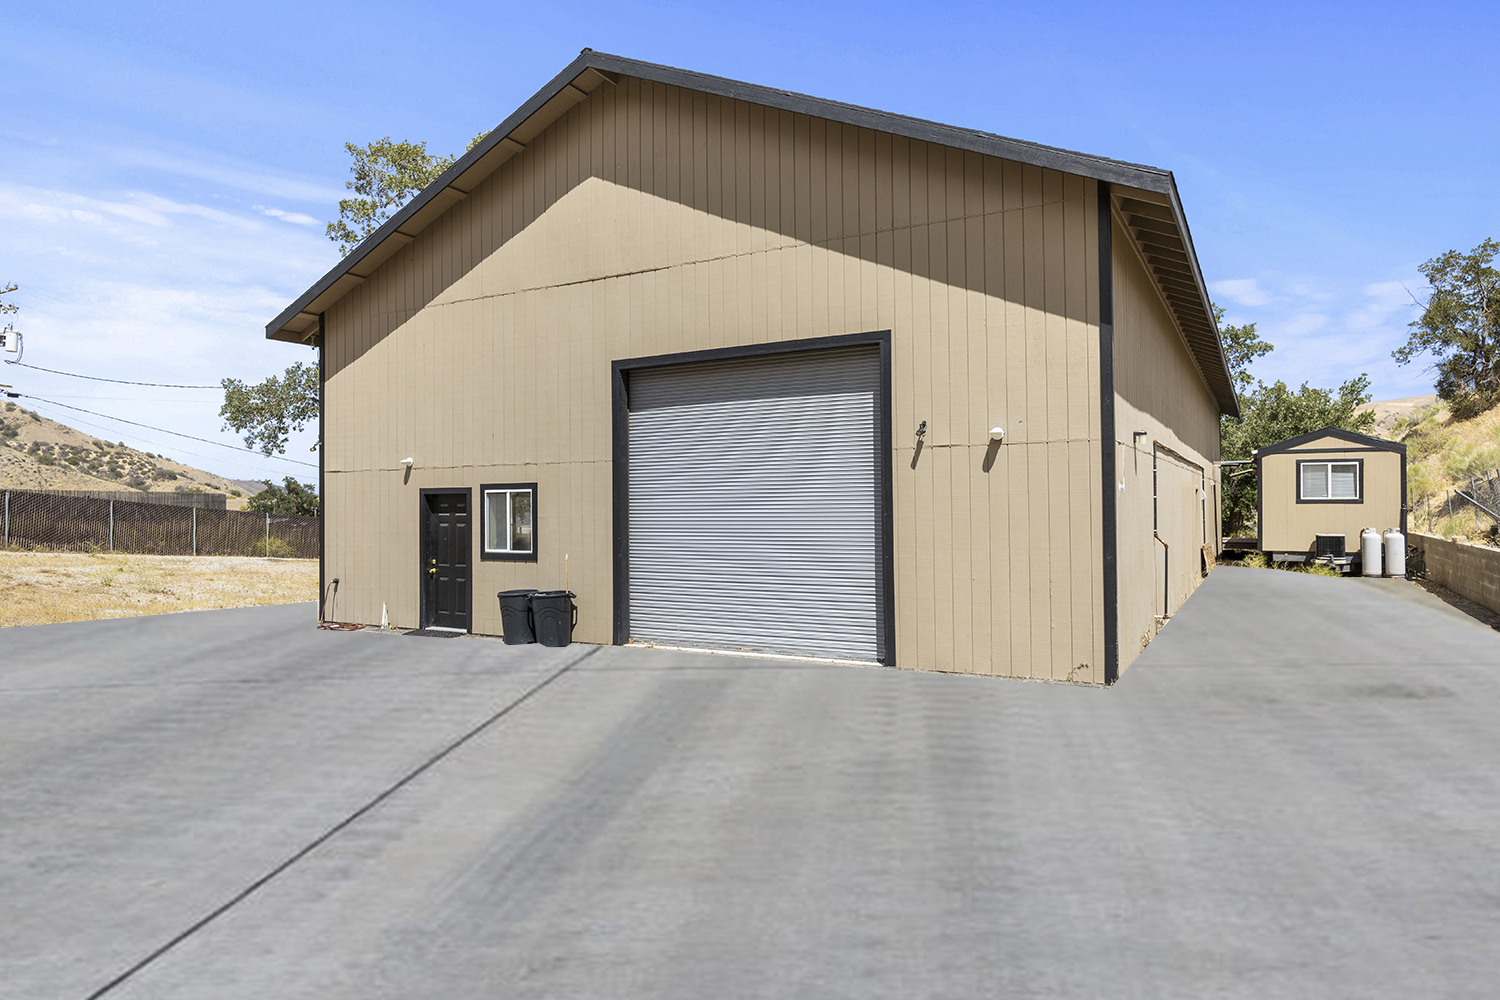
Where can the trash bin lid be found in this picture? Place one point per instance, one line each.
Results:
(517, 593)
(553, 593)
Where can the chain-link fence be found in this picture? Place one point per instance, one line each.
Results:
(1475, 494)
(205, 501)
(86, 524)
(1475, 502)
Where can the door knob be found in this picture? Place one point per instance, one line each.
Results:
(433, 570)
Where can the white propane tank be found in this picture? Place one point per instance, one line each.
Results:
(1369, 552)
(1395, 554)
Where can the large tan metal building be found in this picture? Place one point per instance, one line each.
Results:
(774, 373)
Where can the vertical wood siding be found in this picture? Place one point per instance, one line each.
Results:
(1289, 526)
(651, 220)
(1159, 390)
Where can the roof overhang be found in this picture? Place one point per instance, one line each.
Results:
(1356, 440)
(1156, 224)
(298, 323)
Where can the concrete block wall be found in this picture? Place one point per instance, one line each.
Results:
(1471, 571)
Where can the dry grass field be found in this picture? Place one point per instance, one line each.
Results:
(43, 587)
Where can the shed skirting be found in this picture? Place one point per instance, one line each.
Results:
(1471, 571)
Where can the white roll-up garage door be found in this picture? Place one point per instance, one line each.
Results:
(755, 504)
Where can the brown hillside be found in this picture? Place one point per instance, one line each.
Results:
(41, 454)
(1443, 454)
(1389, 412)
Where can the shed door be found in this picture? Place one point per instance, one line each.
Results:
(755, 491)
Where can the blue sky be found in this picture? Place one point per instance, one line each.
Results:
(167, 169)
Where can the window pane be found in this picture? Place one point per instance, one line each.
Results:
(1315, 481)
(1345, 482)
(520, 521)
(494, 521)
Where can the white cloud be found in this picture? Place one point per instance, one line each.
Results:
(166, 206)
(17, 201)
(240, 176)
(1241, 291)
(1300, 324)
(294, 217)
(1385, 302)
(152, 288)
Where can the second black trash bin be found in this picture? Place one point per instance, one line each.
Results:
(554, 614)
(515, 616)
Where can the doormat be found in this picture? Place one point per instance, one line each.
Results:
(435, 633)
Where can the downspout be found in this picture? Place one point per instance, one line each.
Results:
(322, 491)
(1166, 560)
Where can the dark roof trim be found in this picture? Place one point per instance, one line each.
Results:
(1358, 440)
(298, 321)
(1154, 227)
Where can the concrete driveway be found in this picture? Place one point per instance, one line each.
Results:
(1292, 793)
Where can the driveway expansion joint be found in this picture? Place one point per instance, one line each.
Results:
(338, 827)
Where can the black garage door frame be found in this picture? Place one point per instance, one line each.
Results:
(620, 455)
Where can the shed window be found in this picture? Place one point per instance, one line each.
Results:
(509, 521)
(1329, 480)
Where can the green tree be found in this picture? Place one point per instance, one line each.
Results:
(386, 175)
(1460, 328)
(292, 497)
(1242, 345)
(267, 413)
(1271, 413)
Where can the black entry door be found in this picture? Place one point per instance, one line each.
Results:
(445, 560)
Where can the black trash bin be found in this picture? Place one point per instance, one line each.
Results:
(515, 616)
(554, 615)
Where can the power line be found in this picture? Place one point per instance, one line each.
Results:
(117, 381)
(76, 423)
(163, 430)
(132, 399)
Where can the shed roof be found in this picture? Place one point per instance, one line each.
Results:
(1354, 438)
(1152, 211)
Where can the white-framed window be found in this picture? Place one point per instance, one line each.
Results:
(508, 521)
(1332, 481)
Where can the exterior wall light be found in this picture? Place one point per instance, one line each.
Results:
(997, 433)
(406, 462)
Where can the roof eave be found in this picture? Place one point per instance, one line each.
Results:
(298, 322)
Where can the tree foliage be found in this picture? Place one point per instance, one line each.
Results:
(1242, 345)
(386, 175)
(292, 497)
(1460, 328)
(266, 414)
(1271, 413)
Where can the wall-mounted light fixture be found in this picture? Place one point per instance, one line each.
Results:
(921, 430)
(406, 462)
(997, 433)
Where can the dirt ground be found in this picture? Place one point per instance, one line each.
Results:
(45, 587)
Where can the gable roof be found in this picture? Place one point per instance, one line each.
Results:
(1156, 221)
(1358, 440)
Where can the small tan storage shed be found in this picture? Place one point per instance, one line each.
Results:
(752, 370)
(1329, 484)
